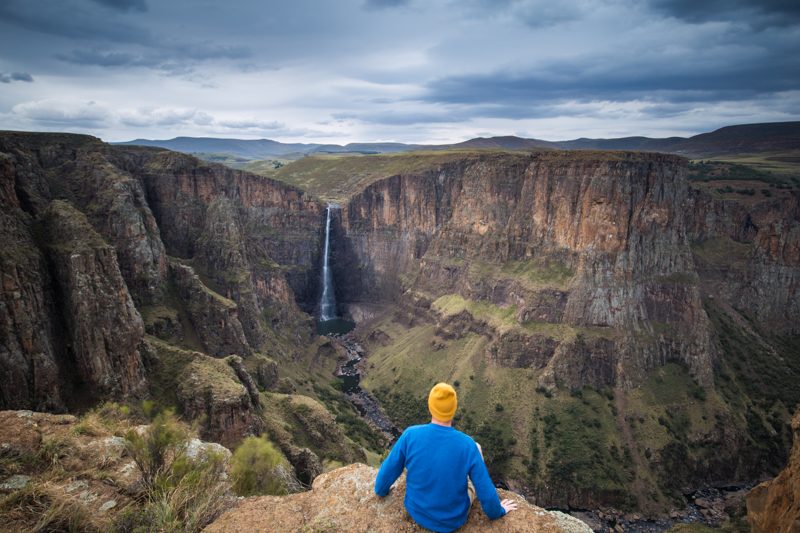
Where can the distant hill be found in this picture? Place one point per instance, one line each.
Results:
(745, 138)
(508, 142)
(250, 149)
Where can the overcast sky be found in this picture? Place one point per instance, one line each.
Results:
(396, 70)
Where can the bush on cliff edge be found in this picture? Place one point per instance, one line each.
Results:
(259, 468)
(180, 493)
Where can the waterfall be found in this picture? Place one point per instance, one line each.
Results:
(327, 302)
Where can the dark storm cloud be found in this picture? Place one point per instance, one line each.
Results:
(170, 57)
(105, 59)
(72, 21)
(532, 13)
(504, 94)
(108, 38)
(383, 4)
(15, 76)
(124, 5)
(757, 13)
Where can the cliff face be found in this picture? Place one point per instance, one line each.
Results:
(29, 355)
(96, 237)
(71, 324)
(104, 329)
(547, 283)
(774, 506)
(749, 256)
(588, 241)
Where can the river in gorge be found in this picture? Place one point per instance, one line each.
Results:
(366, 404)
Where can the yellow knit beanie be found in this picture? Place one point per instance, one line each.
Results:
(442, 402)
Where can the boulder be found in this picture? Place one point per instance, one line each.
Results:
(343, 500)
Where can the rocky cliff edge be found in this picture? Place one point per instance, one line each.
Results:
(774, 506)
(343, 500)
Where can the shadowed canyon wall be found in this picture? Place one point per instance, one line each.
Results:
(104, 245)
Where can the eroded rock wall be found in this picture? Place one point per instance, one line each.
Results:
(103, 328)
(584, 240)
(749, 256)
(95, 237)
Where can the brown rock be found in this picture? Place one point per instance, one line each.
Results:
(343, 500)
(774, 506)
(703, 503)
(214, 317)
(210, 390)
(104, 328)
(582, 240)
(266, 372)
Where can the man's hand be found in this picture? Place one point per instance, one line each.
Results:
(509, 505)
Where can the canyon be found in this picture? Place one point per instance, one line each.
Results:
(618, 335)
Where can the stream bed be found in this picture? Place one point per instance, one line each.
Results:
(364, 402)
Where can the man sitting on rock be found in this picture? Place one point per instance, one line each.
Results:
(438, 459)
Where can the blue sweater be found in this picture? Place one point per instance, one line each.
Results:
(438, 460)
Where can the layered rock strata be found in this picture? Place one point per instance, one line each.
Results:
(594, 242)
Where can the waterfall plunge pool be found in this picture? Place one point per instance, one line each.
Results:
(335, 326)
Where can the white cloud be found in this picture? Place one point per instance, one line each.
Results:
(64, 112)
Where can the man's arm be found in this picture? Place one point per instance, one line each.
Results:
(484, 488)
(391, 468)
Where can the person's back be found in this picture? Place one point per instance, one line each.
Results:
(439, 459)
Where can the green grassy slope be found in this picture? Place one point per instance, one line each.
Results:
(638, 448)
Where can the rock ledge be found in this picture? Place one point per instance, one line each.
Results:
(343, 500)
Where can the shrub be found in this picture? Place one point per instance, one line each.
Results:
(155, 449)
(180, 493)
(190, 494)
(259, 468)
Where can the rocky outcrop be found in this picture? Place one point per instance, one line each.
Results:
(259, 239)
(589, 240)
(95, 178)
(245, 379)
(215, 318)
(69, 473)
(248, 249)
(774, 506)
(209, 390)
(103, 328)
(265, 371)
(343, 500)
